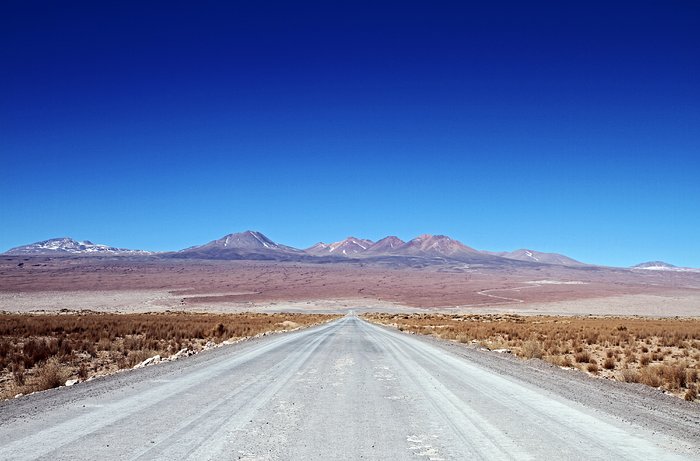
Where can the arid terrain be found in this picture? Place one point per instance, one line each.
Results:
(43, 351)
(153, 284)
(79, 320)
(662, 353)
(349, 387)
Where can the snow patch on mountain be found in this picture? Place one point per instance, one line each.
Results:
(662, 266)
(67, 246)
(349, 247)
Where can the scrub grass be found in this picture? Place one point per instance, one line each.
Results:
(662, 353)
(42, 351)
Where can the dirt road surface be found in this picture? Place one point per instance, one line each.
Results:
(348, 390)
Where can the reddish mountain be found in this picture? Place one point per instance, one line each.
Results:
(243, 245)
(387, 245)
(424, 246)
(436, 246)
(318, 248)
(351, 246)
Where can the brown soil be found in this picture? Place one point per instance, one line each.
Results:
(209, 283)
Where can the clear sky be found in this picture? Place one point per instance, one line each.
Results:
(571, 127)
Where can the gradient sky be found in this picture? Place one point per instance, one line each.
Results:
(557, 126)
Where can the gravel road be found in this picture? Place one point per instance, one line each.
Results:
(348, 390)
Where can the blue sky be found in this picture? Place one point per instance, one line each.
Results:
(573, 129)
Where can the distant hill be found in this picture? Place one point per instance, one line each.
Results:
(349, 247)
(242, 245)
(434, 247)
(437, 246)
(424, 246)
(64, 246)
(662, 266)
(540, 257)
(387, 245)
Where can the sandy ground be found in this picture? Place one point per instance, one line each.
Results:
(656, 305)
(104, 301)
(143, 285)
(160, 301)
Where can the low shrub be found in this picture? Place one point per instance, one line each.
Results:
(651, 376)
(48, 376)
(630, 376)
(532, 350)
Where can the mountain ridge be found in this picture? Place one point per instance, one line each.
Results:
(349, 246)
(662, 266)
(241, 245)
(70, 246)
(255, 245)
(524, 254)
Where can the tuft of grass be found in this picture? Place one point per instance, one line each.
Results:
(49, 375)
(532, 350)
(609, 363)
(630, 376)
(651, 376)
(18, 375)
(673, 376)
(83, 371)
(566, 362)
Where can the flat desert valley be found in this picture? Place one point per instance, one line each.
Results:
(122, 284)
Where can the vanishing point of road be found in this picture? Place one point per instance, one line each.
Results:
(344, 390)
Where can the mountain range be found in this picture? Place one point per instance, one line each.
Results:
(253, 245)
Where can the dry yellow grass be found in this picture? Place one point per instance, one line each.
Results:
(38, 352)
(662, 353)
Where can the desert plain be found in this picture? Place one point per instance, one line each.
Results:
(122, 284)
(547, 340)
